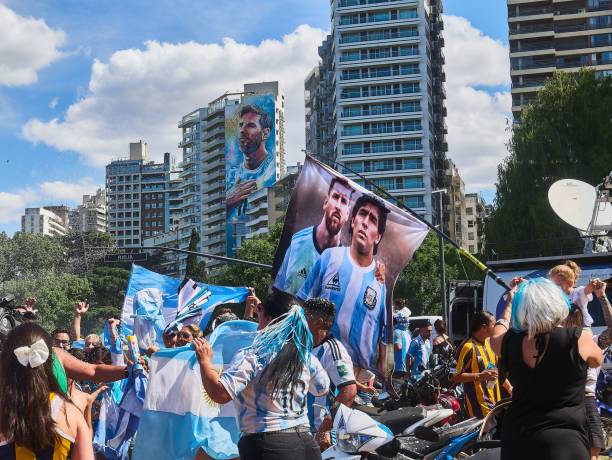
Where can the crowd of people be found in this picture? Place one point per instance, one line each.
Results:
(540, 352)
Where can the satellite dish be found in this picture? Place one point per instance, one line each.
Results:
(573, 201)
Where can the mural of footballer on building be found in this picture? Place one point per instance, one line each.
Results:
(344, 243)
(250, 157)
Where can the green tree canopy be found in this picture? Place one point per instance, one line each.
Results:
(566, 132)
(258, 249)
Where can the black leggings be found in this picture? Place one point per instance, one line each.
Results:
(278, 446)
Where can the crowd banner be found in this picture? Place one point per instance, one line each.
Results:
(154, 301)
(179, 417)
(342, 242)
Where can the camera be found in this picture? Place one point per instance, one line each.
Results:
(9, 317)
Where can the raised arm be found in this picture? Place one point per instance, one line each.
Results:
(605, 338)
(80, 308)
(79, 370)
(503, 322)
(210, 377)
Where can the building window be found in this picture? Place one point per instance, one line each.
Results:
(470, 223)
(471, 249)
(470, 235)
(469, 211)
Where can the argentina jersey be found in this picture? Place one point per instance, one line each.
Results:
(301, 255)
(264, 176)
(359, 299)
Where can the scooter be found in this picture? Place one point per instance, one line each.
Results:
(359, 436)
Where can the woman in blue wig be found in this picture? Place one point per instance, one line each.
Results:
(547, 365)
(269, 382)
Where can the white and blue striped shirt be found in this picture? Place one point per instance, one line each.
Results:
(256, 410)
(359, 299)
(299, 258)
(339, 367)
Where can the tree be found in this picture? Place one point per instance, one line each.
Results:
(79, 255)
(28, 255)
(195, 270)
(55, 296)
(566, 132)
(109, 285)
(257, 249)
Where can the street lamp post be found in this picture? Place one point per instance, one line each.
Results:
(440, 192)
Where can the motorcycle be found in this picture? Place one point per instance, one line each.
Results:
(359, 436)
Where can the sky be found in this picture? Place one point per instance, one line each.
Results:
(80, 79)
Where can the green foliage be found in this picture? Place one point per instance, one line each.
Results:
(258, 249)
(58, 272)
(55, 296)
(419, 282)
(108, 284)
(26, 255)
(566, 132)
(195, 270)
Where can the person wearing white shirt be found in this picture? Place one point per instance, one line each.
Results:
(269, 383)
(566, 276)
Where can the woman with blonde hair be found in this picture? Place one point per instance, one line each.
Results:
(547, 366)
(566, 276)
(187, 334)
(37, 419)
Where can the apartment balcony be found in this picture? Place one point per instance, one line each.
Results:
(220, 217)
(539, 29)
(211, 229)
(392, 20)
(410, 36)
(188, 120)
(187, 140)
(214, 132)
(381, 131)
(214, 196)
(379, 74)
(214, 207)
(209, 166)
(344, 5)
(213, 142)
(369, 57)
(359, 113)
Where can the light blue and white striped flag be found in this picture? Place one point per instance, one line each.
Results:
(153, 302)
(179, 417)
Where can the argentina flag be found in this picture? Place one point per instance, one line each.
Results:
(179, 417)
(154, 301)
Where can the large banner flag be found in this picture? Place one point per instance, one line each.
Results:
(153, 302)
(179, 417)
(342, 242)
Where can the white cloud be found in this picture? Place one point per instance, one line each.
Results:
(53, 102)
(26, 46)
(68, 191)
(142, 93)
(13, 203)
(477, 118)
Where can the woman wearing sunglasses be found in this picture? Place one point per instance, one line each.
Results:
(187, 334)
(269, 382)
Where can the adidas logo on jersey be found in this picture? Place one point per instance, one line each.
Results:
(303, 273)
(334, 283)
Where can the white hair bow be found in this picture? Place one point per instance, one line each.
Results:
(34, 355)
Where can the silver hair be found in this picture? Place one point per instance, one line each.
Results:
(539, 306)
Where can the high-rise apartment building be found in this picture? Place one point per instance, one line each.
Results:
(475, 214)
(48, 220)
(90, 216)
(204, 172)
(388, 96)
(319, 104)
(556, 35)
(138, 197)
(455, 213)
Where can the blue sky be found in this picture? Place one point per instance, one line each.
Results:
(43, 166)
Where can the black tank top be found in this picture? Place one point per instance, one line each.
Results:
(551, 395)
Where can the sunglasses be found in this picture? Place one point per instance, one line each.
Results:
(184, 335)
